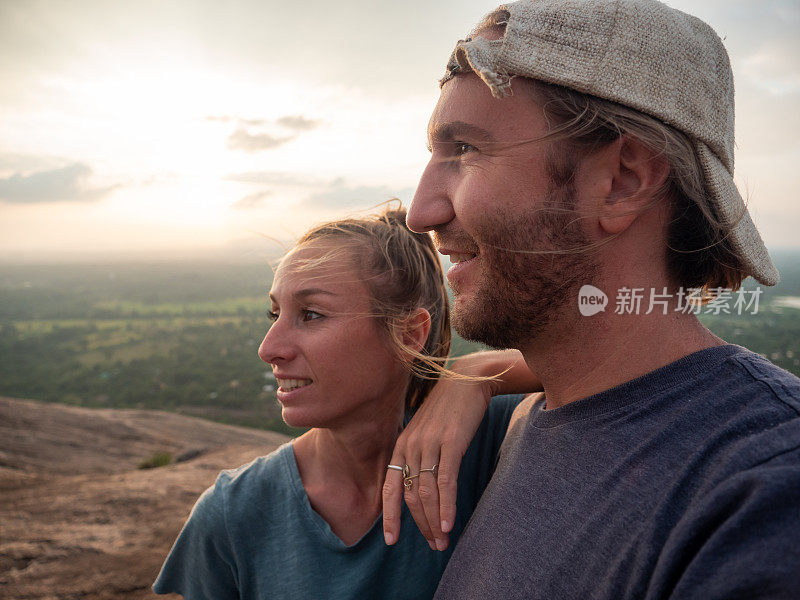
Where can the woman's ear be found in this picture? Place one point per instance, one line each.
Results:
(416, 329)
(633, 174)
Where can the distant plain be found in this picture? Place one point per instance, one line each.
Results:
(182, 336)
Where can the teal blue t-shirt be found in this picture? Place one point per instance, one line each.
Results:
(254, 535)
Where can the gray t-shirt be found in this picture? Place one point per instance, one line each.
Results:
(254, 535)
(683, 483)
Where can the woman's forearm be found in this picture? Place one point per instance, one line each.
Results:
(513, 374)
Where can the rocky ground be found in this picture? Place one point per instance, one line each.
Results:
(78, 518)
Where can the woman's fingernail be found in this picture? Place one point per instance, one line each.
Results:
(445, 526)
(389, 537)
(430, 543)
(440, 545)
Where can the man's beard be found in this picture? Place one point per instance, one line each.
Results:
(524, 285)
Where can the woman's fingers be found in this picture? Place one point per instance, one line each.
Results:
(428, 492)
(392, 499)
(431, 498)
(414, 502)
(440, 431)
(447, 480)
(403, 485)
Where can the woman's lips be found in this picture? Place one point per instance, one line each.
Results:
(288, 384)
(290, 387)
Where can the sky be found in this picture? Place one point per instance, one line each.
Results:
(172, 128)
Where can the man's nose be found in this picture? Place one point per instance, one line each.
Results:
(431, 207)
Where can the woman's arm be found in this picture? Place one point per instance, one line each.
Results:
(200, 565)
(440, 433)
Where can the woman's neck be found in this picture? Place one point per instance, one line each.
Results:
(356, 455)
(342, 471)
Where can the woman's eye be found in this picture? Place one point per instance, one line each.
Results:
(311, 315)
(272, 316)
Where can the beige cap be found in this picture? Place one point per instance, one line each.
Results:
(640, 53)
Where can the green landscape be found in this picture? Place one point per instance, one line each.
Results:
(183, 336)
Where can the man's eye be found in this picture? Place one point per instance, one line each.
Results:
(272, 316)
(463, 148)
(311, 315)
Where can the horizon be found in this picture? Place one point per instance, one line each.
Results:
(211, 257)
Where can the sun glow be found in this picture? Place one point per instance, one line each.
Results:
(188, 121)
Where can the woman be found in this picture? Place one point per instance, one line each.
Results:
(360, 327)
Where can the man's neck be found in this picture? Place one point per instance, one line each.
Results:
(595, 354)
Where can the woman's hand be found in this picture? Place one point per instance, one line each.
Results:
(439, 434)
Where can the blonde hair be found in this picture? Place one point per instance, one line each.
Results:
(402, 273)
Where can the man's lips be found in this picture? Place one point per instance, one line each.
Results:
(461, 262)
(457, 256)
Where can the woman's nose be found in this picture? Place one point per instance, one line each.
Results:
(277, 344)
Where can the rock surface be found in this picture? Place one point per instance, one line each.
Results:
(78, 518)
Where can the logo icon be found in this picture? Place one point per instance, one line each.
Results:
(591, 300)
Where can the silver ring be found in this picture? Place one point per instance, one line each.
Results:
(395, 467)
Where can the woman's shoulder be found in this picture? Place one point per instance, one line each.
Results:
(494, 425)
(489, 436)
(229, 520)
(501, 408)
(272, 464)
(261, 478)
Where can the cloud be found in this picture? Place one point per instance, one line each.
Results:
(252, 200)
(339, 195)
(775, 66)
(273, 178)
(64, 184)
(240, 120)
(298, 123)
(11, 163)
(335, 193)
(255, 135)
(241, 139)
(253, 122)
(767, 124)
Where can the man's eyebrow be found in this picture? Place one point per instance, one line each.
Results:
(454, 130)
(306, 292)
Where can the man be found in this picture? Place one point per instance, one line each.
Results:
(590, 143)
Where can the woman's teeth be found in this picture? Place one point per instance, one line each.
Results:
(291, 384)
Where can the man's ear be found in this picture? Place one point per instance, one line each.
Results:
(416, 329)
(634, 173)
